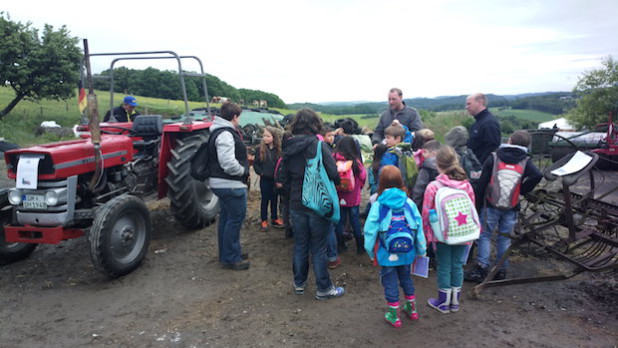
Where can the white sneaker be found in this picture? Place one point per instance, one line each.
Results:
(335, 291)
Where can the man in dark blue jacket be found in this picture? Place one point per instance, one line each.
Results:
(485, 131)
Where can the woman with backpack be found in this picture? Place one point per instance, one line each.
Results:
(393, 238)
(310, 229)
(353, 175)
(449, 257)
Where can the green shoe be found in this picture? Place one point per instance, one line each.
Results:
(410, 309)
(392, 316)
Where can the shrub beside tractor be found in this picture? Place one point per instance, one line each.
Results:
(96, 189)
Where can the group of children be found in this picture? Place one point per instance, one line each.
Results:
(495, 196)
(406, 174)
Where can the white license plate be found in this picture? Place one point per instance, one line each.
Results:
(34, 202)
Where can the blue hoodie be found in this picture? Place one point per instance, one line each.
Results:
(394, 199)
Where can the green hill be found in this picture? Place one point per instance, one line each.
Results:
(19, 125)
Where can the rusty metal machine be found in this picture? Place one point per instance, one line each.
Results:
(578, 228)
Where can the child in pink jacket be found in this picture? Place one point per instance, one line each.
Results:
(347, 150)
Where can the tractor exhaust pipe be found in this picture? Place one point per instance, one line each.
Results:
(93, 115)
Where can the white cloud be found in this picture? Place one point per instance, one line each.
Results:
(354, 50)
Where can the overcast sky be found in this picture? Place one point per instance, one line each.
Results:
(340, 50)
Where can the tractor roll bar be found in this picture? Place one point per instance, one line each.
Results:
(172, 55)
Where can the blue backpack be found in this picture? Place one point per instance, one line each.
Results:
(399, 237)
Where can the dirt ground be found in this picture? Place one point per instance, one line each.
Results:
(180, 297)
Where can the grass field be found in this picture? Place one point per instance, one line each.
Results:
(528, 115)
(19, 125)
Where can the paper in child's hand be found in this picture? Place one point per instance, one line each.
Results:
(420, 267)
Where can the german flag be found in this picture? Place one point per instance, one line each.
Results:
(82, 102)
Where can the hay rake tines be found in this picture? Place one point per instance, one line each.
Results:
(576, 228)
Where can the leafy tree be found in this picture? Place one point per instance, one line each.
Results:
(37, 67)
(250, 94)
(598, 95)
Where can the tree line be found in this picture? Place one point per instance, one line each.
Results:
(155, 83)
(553, 103)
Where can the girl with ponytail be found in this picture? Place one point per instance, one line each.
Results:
(450, 257)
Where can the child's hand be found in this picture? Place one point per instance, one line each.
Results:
(278, 185)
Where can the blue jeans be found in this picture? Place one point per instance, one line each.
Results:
(504, 221)
(233, 204)
(353, 215)
(331, 243)
(450, 265)
(310, 232)
(269, 195)
(390, 276)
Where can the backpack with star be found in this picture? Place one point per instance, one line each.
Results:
(457, 217)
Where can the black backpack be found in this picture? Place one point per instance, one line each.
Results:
(200, 168)
(471, 166)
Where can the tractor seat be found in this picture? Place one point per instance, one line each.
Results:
(147, 126)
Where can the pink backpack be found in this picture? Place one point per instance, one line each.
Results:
(346, 174)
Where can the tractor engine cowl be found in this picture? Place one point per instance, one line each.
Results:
(52, 203)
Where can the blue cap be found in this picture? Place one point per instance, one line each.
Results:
(130, 100)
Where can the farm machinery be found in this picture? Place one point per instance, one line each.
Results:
(568, 218)
(95, 186)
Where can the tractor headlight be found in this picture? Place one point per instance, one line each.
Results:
(51, 198)
(15, 196)
(56, 196)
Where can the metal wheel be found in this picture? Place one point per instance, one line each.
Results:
(120, 235)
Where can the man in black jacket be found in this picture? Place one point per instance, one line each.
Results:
(485, 131)
(124, 113)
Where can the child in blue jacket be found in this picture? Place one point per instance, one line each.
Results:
(393, 204)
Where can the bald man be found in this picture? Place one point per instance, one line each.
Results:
(485, 135)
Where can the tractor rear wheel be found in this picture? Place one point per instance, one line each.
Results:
(12, 252)
(120, 235)
(192, 202)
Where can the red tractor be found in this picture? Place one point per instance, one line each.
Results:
(74, 188)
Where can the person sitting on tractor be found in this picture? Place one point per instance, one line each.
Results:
(124, 113)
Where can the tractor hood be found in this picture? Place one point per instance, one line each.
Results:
(74, 157)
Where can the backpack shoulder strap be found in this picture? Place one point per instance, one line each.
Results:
(383, 212)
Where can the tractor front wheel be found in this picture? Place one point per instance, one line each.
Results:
(120, 235)
(12, 252)
(192, 202)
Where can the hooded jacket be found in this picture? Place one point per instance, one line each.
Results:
(427, 174)
(265, 167)
(484, 135)
(457, 138)
(352, 199)
(296, 151)
(395, 199)
(429, 201)
(510, 154)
